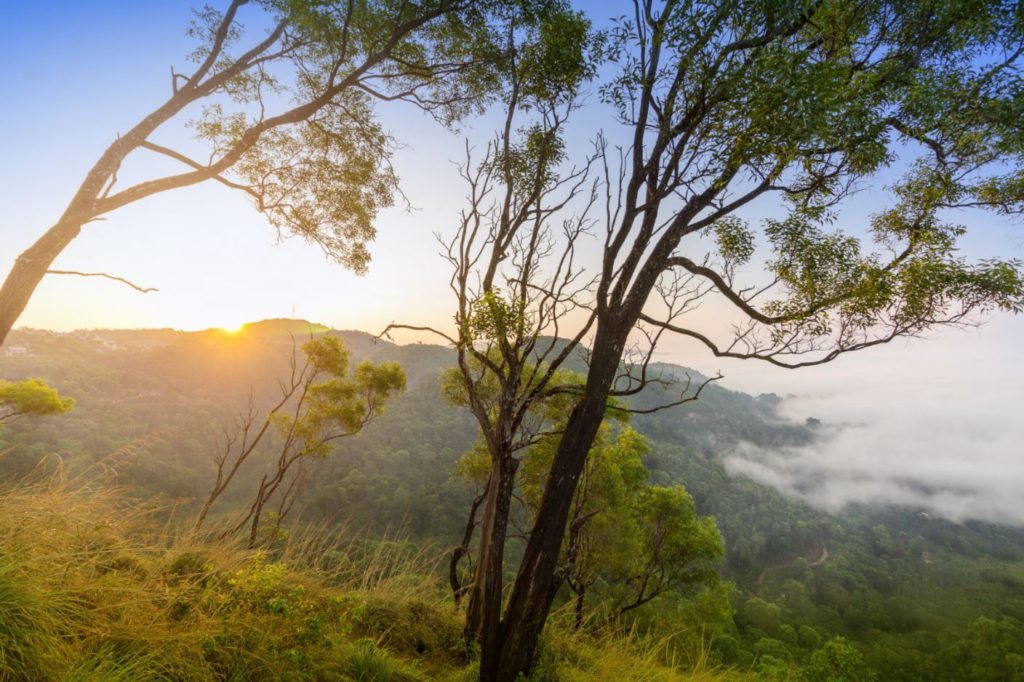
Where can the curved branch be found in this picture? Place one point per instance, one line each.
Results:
(682, 400)
(726, 290)
(144, 290)
(744, 304)
(386, 334)
(770, 357)
(195, 165)
(219, 38)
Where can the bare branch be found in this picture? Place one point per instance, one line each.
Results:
(177, 156)
(386, 334)
(144, 290)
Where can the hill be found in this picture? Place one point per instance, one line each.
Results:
(922, 597)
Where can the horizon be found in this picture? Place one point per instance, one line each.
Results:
(177, 243)
(900, 437)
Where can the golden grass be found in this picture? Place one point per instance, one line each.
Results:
(96, 587)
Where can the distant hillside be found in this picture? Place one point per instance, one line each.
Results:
(155, 404)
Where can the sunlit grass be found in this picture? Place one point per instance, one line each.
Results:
(94, 586)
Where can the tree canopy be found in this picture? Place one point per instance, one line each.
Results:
(30, 397)
(790, 106)
(287, 117)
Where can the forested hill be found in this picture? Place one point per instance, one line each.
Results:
(169, 395)
(153, 405)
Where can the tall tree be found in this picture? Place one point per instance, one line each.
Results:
(316, 166)
(804, 101)
(502, 239)
(724, 104)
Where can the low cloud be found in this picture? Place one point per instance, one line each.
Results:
(953, 452)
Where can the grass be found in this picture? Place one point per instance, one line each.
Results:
(93, 587)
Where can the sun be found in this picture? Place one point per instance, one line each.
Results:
(234, 329)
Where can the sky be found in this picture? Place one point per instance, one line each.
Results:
(934, 422)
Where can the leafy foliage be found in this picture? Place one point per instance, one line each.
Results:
(640, 541)
(30, 397)
(338, 403)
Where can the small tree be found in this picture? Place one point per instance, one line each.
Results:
(30, 397)
(837, 660)
(320, 403)
(642, 540)
(602, 537)
(678, 547)
(317, 166)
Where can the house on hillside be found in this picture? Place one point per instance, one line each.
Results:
(104, 344)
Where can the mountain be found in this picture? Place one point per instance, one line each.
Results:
(152, 406)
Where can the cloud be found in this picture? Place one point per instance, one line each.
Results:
(937, 445)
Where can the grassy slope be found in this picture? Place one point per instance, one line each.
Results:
(92, 588)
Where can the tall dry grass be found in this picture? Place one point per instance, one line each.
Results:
(96, 586)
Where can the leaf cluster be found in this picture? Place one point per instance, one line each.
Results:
(31, 397)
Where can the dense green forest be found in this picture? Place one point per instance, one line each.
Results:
(869, 593)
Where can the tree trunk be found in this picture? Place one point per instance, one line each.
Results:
(458, 588)
(29, 269)
(31, 266)
(254, 529)
(483, 614)
(581, 596)
(535, 586)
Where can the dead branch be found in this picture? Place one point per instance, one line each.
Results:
(144, 290)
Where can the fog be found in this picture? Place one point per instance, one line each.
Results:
(935, 424)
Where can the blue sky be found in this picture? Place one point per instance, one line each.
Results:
(76, 73)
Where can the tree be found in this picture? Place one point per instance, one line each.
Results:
(30, 397)
(838, 661)
(642, 539)
(806, 102)
(320, 403)
(318, 167)
(603, 538)
(679, 548)
(725, 104)
(989, 650)
(504, 376)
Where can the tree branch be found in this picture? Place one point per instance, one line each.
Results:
(177, 156)
(144, 290)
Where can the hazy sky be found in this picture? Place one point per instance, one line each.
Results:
(942, 410)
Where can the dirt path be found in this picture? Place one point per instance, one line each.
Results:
(817, 562)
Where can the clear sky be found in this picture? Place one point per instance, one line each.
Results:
(78, 73)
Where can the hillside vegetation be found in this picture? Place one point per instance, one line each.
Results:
(96, 588)
(870, 593)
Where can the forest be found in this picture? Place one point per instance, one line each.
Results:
(797, 593)
(506, 473)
